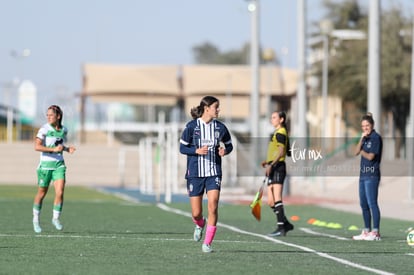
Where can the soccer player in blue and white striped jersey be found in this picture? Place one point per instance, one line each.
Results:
(205, 140)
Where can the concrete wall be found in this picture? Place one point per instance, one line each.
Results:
(92, 165)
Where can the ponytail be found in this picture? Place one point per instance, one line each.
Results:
(198, 111)
(284, 125)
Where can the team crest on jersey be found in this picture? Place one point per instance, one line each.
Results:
(216, 134)
(369, 144)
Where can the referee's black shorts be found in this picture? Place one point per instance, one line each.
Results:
(277, 173)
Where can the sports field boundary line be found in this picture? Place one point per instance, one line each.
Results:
(122, 196)
(114, 237)
(278, 241)
(310, 231)
(235, 229)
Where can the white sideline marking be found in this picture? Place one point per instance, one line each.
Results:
(410, 254)
(122, 196)
(113, 237)
(310, 231)
(304, 248)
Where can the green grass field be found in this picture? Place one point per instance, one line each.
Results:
(104, 234)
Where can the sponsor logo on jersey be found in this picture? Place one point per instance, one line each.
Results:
(207, 142)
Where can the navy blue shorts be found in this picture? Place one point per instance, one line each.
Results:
(277, 174)
(197, 186)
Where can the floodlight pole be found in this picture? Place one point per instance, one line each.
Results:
(18, 56)
(326, 27)
(301, 93)
(374, 63)
(325, 87)
(253, 7)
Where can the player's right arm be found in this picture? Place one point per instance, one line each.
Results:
(39, 144)
(191, 150)
(41, 148)
(358, 147)
(187, 147)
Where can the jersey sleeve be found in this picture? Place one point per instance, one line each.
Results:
(227, 141)
(41, 134)
(375, 146)
(281, 139)
(186, 144)
(65, 135)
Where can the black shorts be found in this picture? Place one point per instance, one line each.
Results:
(277, 174)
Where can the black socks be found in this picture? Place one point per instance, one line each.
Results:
(280, 214)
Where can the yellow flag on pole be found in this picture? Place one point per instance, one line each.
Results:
(256, 204)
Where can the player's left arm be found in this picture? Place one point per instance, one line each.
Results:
(279, 153)
(228, 145)
(367, 155)
(70, 149)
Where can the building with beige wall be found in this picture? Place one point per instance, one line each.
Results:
(175, 89)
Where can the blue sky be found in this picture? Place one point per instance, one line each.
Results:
(63, 35)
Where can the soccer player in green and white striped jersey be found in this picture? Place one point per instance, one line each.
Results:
(49, 142)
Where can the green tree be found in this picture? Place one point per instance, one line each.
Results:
(207, 53)
(396, 66)
(348, 63)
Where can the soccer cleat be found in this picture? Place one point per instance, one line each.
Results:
(206, 248)
(288, 227)
(278, 233)
(198, 232)
(56, 223)
(364, 234)
(373, 236)
(36, 227)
